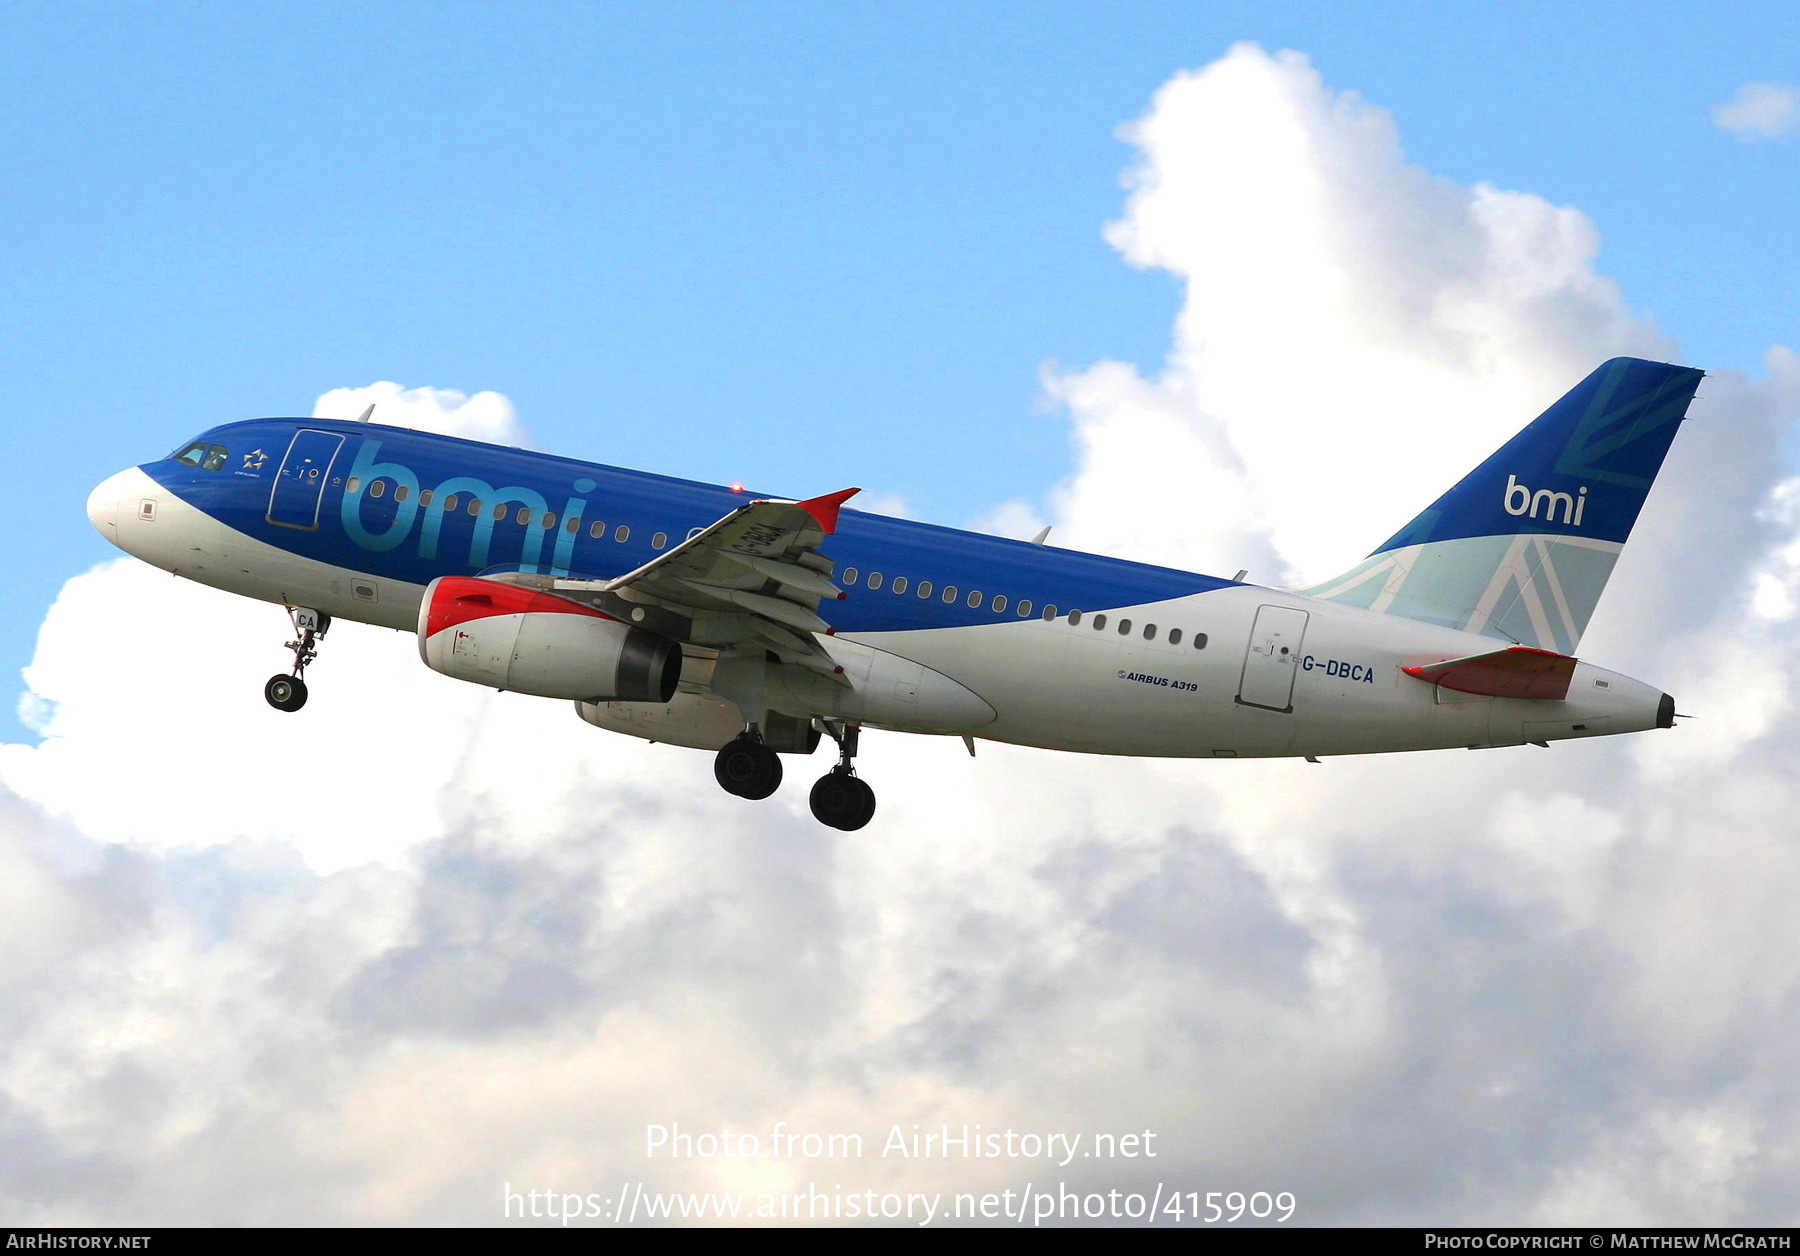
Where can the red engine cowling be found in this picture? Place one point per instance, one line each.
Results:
(507, 637)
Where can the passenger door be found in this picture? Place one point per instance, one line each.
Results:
(300, 483)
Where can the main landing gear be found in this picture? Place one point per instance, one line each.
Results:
(288, 693)
(841, 798)
(748, 768)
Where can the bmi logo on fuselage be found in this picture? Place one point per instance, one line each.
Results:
(1522, 501)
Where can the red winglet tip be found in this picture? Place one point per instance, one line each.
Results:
(825, 509)
(831, 632)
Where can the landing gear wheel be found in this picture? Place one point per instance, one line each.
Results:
(747, 768)
(288, 693)
(285, 693)
(842, 801)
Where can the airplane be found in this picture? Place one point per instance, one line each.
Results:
(753, 626)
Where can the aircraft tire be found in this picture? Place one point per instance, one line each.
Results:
(842, 801)
(867, 812)
(748, 769)
(285, 693)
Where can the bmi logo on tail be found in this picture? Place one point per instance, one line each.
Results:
(1527, 502)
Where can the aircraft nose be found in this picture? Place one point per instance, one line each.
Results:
(109, 498)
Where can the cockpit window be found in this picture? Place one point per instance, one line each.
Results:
(200, 454)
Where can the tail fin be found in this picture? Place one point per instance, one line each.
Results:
(1522, 547)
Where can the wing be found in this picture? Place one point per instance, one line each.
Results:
(756, 577)
(1519, 671)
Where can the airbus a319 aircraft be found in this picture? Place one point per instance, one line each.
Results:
(750, 625)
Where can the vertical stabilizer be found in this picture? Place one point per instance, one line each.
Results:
(1522, 547)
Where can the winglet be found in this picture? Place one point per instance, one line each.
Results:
(825, 509)
(1517, 672)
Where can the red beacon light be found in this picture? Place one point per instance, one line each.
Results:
(736, 487)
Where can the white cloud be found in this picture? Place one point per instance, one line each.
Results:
(1356, 335)
(1760, 110)
(1015, 519)
(487, 416)
(890, 504)
(369, 962)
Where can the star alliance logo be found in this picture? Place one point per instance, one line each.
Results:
(253, 461)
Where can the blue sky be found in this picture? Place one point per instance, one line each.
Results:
(812, 246)
(797, 245)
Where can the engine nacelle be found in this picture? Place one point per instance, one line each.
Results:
(496, 634)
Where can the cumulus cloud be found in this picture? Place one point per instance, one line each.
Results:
(1759, 110)
(372, 962)
(487, 416)
(1338, 300)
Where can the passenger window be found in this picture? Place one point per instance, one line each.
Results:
(1074, 616)
(474, 505)
(1199, 641)
(622, 534)
(377, 487)
(874, 579)
(1049, 612)
(1149, 632)
(451, 502)
(523, 517)
(975, 600)
(1099, 622)
(1174, 636)
(597, 531)
(924, 588)
(425, 497)
(573, 526)
(215, 458)
(999, 605)
(899, 584)
(1025, 610)
(849, 576)
(549, 521)
(1124, 627)
(659, 540)
(949, 594)
(401, 492)
(354, 484)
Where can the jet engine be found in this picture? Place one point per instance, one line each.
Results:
(496, 634)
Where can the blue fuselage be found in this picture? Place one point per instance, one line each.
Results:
(411, 506)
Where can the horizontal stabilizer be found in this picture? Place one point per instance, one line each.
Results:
(1517, 672)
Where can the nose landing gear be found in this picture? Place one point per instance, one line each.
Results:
(288, 693)
(841, 798)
